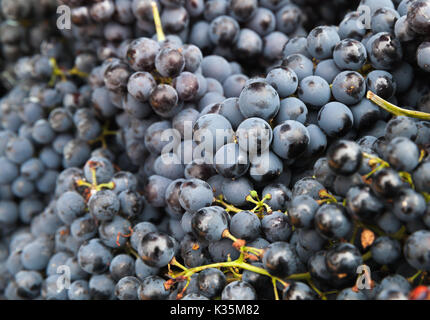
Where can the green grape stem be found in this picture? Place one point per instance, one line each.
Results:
(393, 109)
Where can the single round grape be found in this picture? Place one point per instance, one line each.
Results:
(140, 85)
(314, 91)
(283, 80)
(349, 54)
(381, 83)
(300, 64)
(156, 249)
(231, 161)
(335, 119)
(349, 87)
(321, 42)
(290, 139)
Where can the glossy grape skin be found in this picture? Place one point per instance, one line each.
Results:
(9, 171)
(273, 45)
(229, 108)
(331, 221)
(381, 83)
(70, 206)
(314, 90)
(121, 266)
(365, 114)
(195, 194)
(103, 170)
(164, 100)
(283, 80)
(292, 109)
(349, 54)
(79, 290)
(327, 69)
(402, 154)
(94, 257)
(260, 283)
(350, 294)
(259, 99)
(288, 18)
(141, 54)
(280, 259)
(296, 45)
(385, 250)
(126, 288)
(235, 191)
(215, 67)
(343, 259)
(421, 178)
(416, 250)
(298, 291)
(344, 157)
(193, 257)
(323, 173)
(140, 85)
(408, 205)
(156, 249)
(383, 20)
(224, 31)
(142, 270)
(199, 169)
(280, 196)
(307, 186)
(335, 119)
(155, 190)
(209, 223)
(402, 29)
(28, 284)
(254, 135)
(418, 16)
(245, 225)
(276, 227)
(124, 181)
(362, 203)
(212, 126)
(384, 50)
(221, 250)
(109, 230)
(423, 56)
(387, 182)
(263, 22)
(238, 290)
(152, 288)
(194, 296)
(301, 211)
(101, 287)
(300, 64)
(230, 161)
(83, 228)
(393, 287)
(233, 85)
(290, 139)
(8, 212)
(350, 26)
(104, 205)
(18, 150)
(321, 42)
(211, 282)
(349, 87)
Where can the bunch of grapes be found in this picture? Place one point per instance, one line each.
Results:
(190, 149)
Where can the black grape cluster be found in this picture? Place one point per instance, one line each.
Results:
(24, 25)
(238, 150)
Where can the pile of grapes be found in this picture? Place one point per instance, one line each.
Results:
(214, 149)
